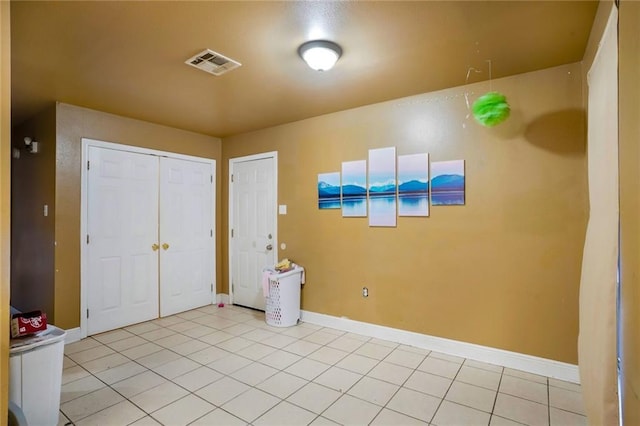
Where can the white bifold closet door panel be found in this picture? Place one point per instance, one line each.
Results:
(187, 253)
(122, 209)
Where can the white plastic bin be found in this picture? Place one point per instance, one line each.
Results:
(282, 308)
(35, 375)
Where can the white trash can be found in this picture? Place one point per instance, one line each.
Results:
(282, 307)
(35, 375)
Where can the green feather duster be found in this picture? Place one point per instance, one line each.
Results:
(491, 109)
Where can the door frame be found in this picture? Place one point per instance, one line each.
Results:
(232, 163)
(84, 267)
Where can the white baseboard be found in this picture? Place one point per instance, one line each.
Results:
(222, 298)
(531, 364)
(73, 335)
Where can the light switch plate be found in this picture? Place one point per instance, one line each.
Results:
(282, 209)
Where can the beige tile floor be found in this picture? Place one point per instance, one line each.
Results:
(225, 366)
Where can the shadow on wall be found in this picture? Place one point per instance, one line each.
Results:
(557, 132)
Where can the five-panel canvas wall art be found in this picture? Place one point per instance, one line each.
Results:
(387, 186)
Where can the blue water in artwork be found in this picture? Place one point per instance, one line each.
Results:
(354, 207)
(328, 196)
(413, 204)
(329, 203)
(382, 210)
(447, 198)
(447, 190)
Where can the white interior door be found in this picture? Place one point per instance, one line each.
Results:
(253, 230)
(187, 239)
(122, 228)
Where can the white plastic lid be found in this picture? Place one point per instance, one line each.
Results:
(49, 336)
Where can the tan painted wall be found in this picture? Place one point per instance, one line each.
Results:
(5, 201)
(74, 123)
(33, 178)
(629, 151)
(599, 25)
(502, 271)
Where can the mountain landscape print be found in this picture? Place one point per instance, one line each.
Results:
(329, 190)
(354, 188)
(413, 185)
(447, 183)
(382, 187)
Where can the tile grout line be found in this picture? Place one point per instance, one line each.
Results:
(128, 399)
(281, 400)
(205, 365)
(251, 322)
(352, 352)
(548, 402)
(446, 393)
(385, 406)
(148, 369)
(495, 399)
(396, 347)
(253, 361)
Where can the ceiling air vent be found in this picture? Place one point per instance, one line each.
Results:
(212, 62)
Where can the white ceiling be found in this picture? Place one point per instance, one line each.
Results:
(128, 58)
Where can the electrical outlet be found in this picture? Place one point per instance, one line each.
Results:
(365, 292)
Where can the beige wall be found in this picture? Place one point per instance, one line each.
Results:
(74, 123)
(597, 30)
(32, 187)
(5, 201)
(502, 271)
(629, 111)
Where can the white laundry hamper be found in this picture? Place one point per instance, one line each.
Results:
(282, 307)
(35, 375)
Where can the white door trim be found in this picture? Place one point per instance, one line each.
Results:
(84, 267)
(232, 163)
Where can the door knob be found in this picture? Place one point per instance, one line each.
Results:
(269, 247)
(165, 246)
(155, 247)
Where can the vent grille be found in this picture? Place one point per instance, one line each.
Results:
(212, 62)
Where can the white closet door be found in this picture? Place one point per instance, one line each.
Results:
(122, 228)
(187, 239)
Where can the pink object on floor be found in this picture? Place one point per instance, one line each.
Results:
(266, 274)
(220, 305)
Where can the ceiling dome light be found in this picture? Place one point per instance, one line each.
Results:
(320, 55)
